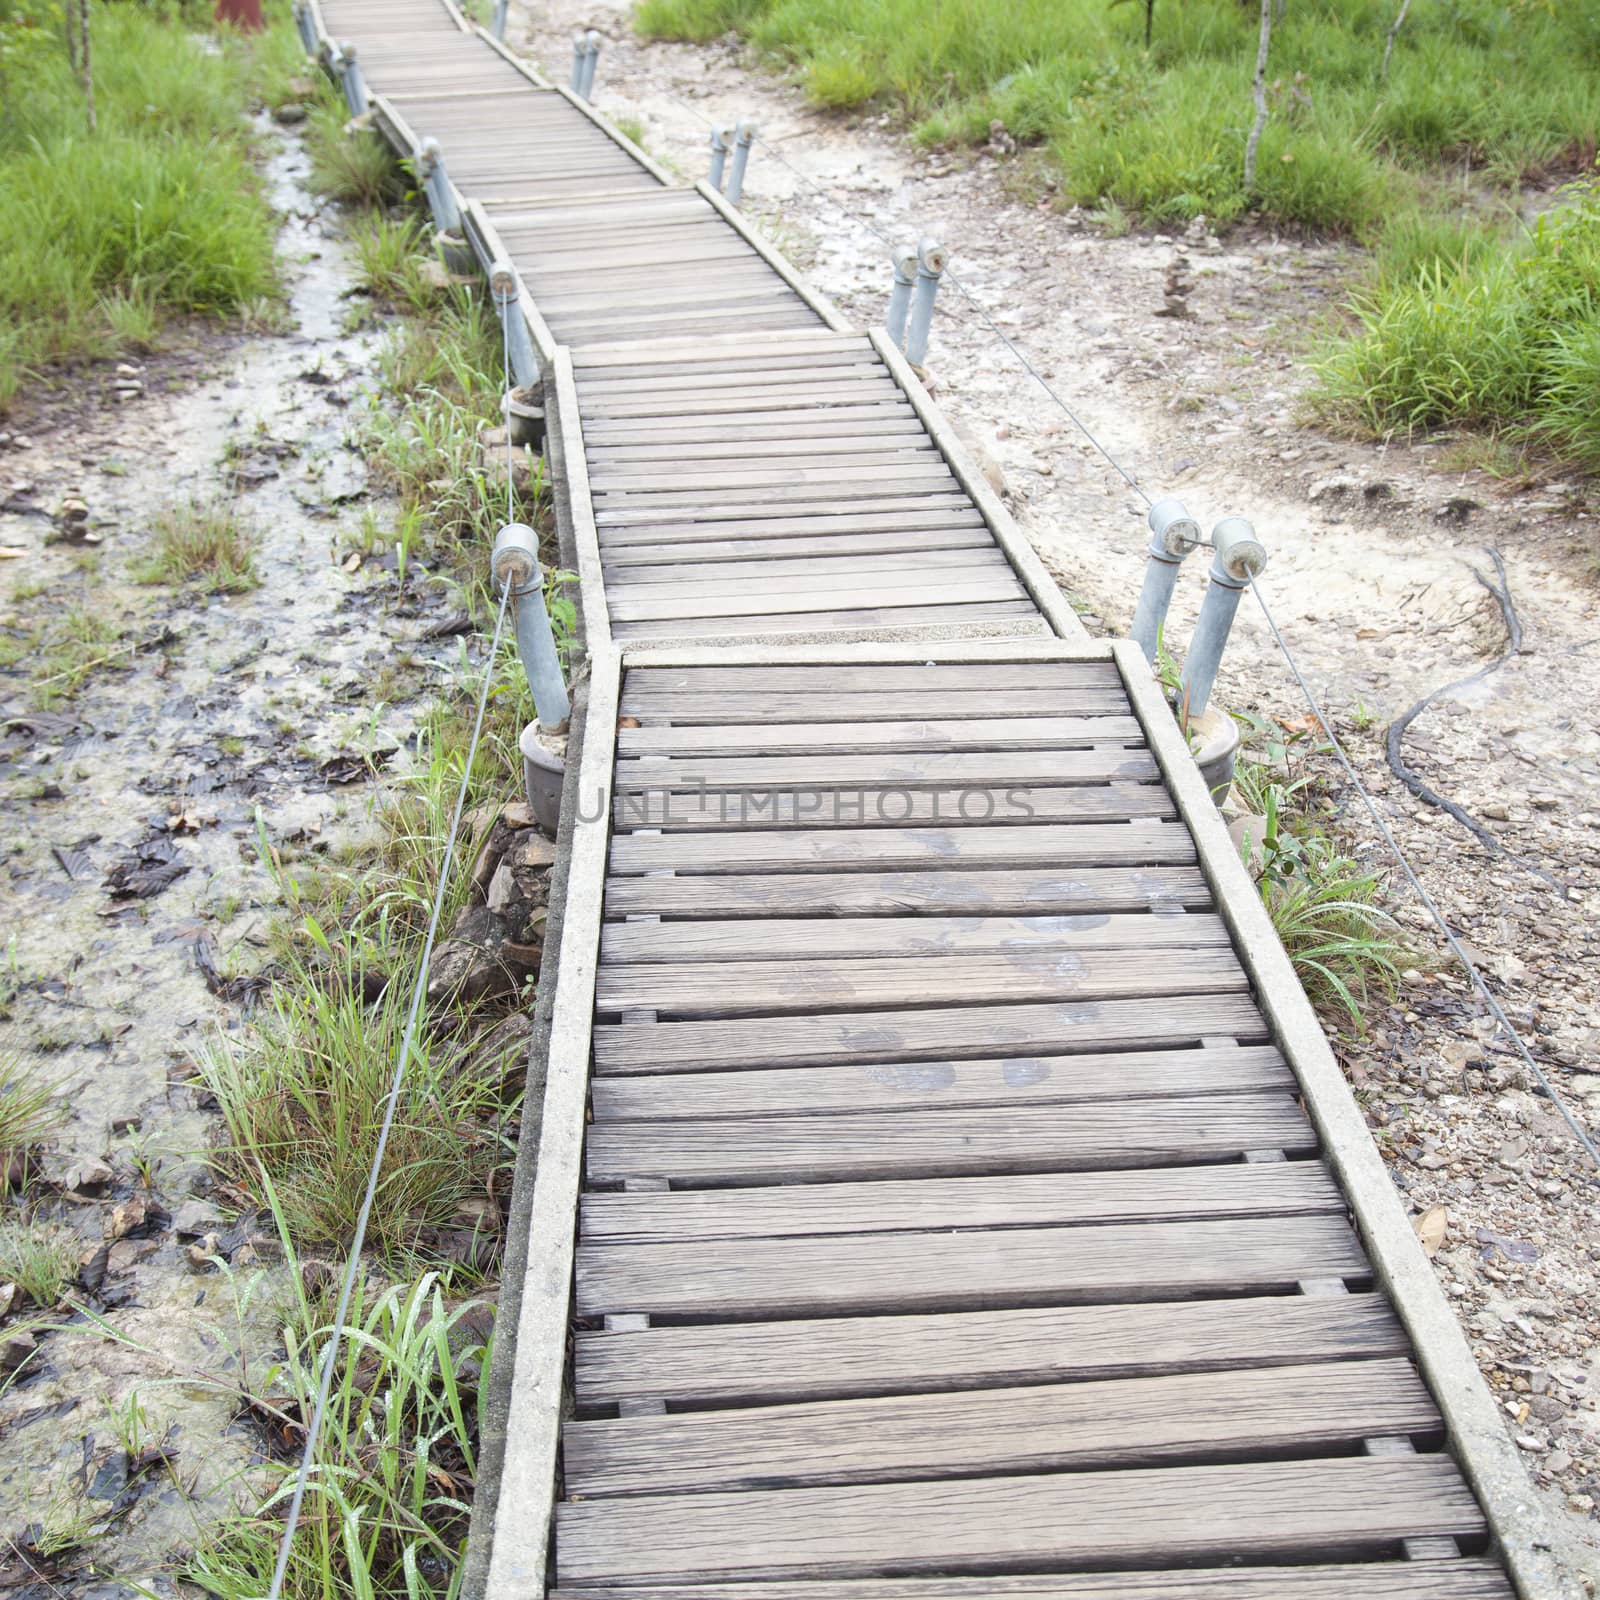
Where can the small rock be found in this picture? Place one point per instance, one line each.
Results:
(8, 1294)
(193, 1218)
(87, 1173)
(290, 114)
(201, 1253)
(1496, 812)
(121, 1125)
(16, 1345)
(1528, 1441)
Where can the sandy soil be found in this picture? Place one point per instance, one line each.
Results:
(1371, 578)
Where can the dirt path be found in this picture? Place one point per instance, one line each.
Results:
(227, 708)
(1370, 577)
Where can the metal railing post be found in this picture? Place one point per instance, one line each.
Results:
(436, 185)
(719, 155)
(1173, 534)
(930, 268)
(905, 275)
(743, 137)
(591, 60)
(1239, 557)
(506, 287)
(304, 27)
(580, 48)
(515, 564)
(355, 86)
(497, 23)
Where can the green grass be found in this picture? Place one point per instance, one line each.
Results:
(29, 1114)
(1162, 132)
(387, 1505)
(1327, 907)
(40, 1258)
(1499, 334)
(206, 542)
(156, 213)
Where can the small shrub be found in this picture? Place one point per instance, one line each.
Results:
(206, 541)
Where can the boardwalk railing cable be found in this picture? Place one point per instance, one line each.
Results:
(1456, 949)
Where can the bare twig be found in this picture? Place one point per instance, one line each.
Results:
(1397, 729)
(1258, 92)
(1388, 44)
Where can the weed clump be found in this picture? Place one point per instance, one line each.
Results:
(29, 1114)
(204, 541)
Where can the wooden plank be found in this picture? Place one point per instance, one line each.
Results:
(1016, 1200)
(909, 1085)
(738, 809)
(720, 707)
(1392, 1580)
(632, 598)
(869, 520)
(795, 396)
(780, 312)
(953, 1033)
(850, 938)
(983, 1269)
(687, 457)
(601, 388)
(929, 1353)
(735, 986)
(774, 565)
(1303, 1509)
(1132, 1422)
(837, 424)
(1022, 614)
(930, 679)
(948, 1141)
(663, 558)
(776, 346)
(903, 472)
(1035, 890)
(934, 734)
(1072, 844)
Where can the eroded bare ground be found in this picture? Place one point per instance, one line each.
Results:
(1372, 550)
(131, 865)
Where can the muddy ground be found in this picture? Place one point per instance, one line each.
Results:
(1371, 578)
(211, 712)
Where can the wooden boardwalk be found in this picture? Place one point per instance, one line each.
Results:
(943, 1188)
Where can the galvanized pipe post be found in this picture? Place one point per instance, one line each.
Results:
(436, 185)
(1239, 557)
(930, 268)
(355, 86)
(506, 288)
(591, 60)
(497, 24)
(304, 27)
(515, 564)
(719, 154)
(743, 137)
(580, 48)
(1173, 534)
(905, 275)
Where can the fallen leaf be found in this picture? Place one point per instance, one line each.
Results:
(1431, 1227)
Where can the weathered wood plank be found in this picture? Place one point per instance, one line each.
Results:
(844, 938)
(1036, 890)
(1392, 1580)
(994, 733)
(851, 1273)
(824, 392)
(736, 987)
(931, 542)
(949, 1141)
(949, 1033)
(897, 1086)
(1071, 844)
(745, 509)
(838, 808)
(867, 448)
(1302, 1509)
(846, 422)
(1132, 1422)
(928, 1353)
(664, 351)
(633, 600)
(868, 521)
(1016, 1200)
(932, 681)
(1022, 616)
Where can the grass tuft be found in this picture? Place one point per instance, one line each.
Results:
(40, 1258)
(205, 541)
(29, 1114)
